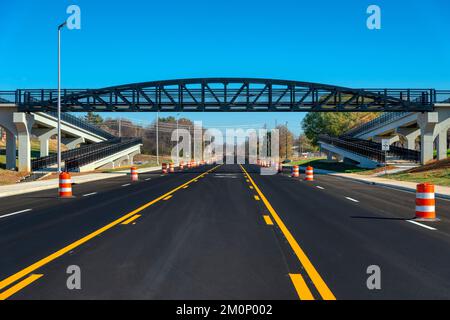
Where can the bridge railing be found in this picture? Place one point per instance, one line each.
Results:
(394, 153)
(48, 161)
(383, 119)
(80, 123)
(359, 149)
(89, 157)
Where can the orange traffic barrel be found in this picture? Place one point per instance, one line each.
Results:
(171, 168)
(134, 174)
(65, 185)
(164, 168)
(295, 172)
(309, 174)
(189, 165)
(181, 165)
(280, 167)
(425, 202)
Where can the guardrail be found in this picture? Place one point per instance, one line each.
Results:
(74, 164)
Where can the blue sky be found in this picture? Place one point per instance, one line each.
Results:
(319, 41)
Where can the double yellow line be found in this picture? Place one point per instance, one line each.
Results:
(19, 275)
(298, 281)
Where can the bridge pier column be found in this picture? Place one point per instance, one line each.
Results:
(44, 137)
(11, 150)
(410, 135)
(441, 144)
(71, 143)
(427, 123)
(23, 124)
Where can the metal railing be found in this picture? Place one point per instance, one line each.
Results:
(394, 153)
(383, 119)
(357, 148)
(80, 123)
(48, 161)
(89, 157)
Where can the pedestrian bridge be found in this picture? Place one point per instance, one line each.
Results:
(226, 94)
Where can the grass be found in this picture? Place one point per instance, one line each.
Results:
(321, 163)
(440, 177)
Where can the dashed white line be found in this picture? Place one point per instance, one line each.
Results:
(14, 213)
(319, 187)
(90, 194)
(351, 199)
(126, 185)
(148, 179)
(421, 225)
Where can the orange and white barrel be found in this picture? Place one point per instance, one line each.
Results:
(309, 174)
(295, 172)
(134, 174)
(164, 168)
(189, 165)
(65, 185)
(171, 168)
(425, 202)
(280, 167)
(181, 165)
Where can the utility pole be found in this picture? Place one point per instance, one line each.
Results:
(286, 140)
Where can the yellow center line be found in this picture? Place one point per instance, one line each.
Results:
(168, 198)
(300, 286)
(13, 278)
(257, 198)
(269, 221)
(315, 277)
(131, 219)
(22, 284)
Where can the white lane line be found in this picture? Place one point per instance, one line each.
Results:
(126, 185)
(422, 225)
(351, 199)
(321, 188)
(148, 179)
(89, 194)
(14, 213)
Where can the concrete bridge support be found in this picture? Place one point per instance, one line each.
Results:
(44, 136)
(427, 123)
(72, 143)
(24, 123)
(410, 135)
(10, 150)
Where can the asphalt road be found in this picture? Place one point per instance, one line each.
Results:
(222, 232)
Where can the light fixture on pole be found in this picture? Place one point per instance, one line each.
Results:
(178, 140)
(60, 27)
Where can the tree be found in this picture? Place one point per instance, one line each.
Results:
(333, 123)
(93, 118)
(286, 138)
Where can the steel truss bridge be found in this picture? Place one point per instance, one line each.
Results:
(226, 95)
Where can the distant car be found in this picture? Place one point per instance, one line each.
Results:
(286, 161)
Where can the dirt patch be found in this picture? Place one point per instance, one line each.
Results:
(435, 165)
(10, 177)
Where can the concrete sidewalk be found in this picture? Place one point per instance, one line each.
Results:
(440, 191)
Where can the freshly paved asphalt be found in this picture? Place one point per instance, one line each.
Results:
(211, 241)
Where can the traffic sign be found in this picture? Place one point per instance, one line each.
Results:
(385, 145)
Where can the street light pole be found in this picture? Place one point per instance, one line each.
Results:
(157, 138)
(286, 140)
(178, 140)
(60, 27)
